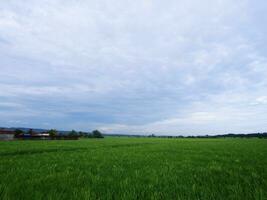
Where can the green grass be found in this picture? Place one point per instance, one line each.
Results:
(134, 168)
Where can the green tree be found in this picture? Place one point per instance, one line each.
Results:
(30, 131)
(97, 134)
(18, 132)
(73, 133)
(52, 132)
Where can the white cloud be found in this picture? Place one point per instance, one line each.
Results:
(261, 100)
(134, 65)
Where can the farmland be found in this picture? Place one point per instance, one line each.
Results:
(134, 168)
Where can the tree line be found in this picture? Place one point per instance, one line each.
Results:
(229, 135)
(54, 133)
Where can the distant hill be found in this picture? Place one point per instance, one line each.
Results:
(229, 135)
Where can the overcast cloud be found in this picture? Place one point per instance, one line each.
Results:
(169, 67)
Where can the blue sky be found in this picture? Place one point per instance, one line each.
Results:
(165, 67)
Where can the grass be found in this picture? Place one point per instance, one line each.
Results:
(134, 168)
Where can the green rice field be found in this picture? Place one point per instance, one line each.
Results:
(134, 168)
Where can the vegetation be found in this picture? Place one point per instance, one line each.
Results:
(18, 132)
(73, 133)
(30, 132)
(134, 168)
(230, 135)
(52, 132)
(97, 134)
(94, 134)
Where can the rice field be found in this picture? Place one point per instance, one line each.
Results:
(134, 168)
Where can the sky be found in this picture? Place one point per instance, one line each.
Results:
(174, 67)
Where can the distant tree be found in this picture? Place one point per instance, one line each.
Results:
(82, 134)
(97, 134)
(152, 135)
(18, 132)
(73, 133)
(30, 131)
(52, 132)
(89, 135)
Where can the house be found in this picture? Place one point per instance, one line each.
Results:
(32, 135)
(6, 134)
(41, 136)
(44, 136)
(9, 134)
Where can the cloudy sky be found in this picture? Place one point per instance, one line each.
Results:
(144, 66)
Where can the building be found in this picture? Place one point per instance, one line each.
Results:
(44, 136)
(6, 134)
